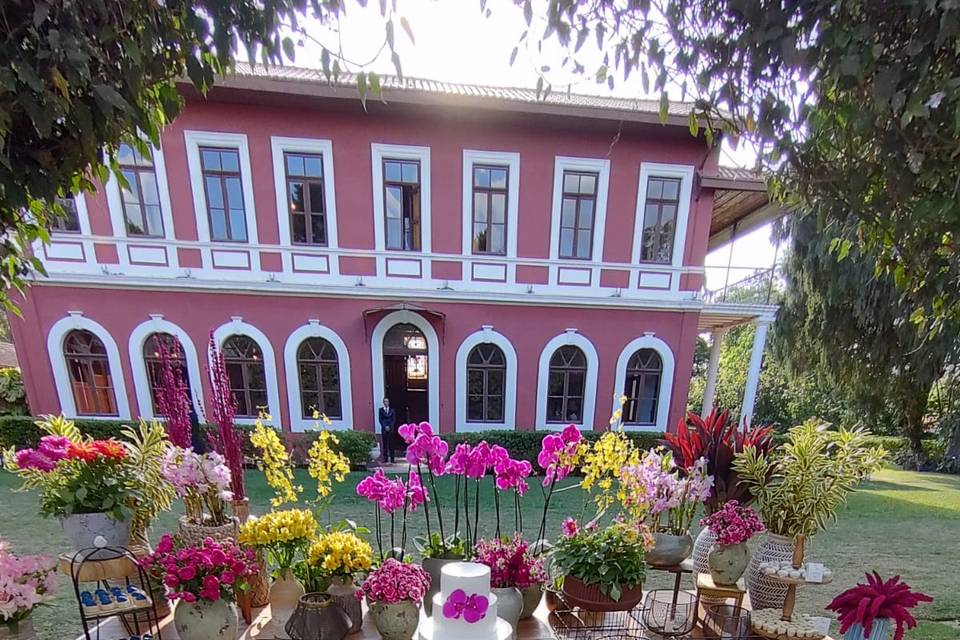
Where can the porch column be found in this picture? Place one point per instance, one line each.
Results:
(713, 367)
(753, 374)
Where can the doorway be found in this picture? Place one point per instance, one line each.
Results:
(406, 372)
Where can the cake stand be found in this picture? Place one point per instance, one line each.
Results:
(504, 631)
(785, 624)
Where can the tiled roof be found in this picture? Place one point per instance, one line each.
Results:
(738, 173)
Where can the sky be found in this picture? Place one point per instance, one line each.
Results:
(455, 41)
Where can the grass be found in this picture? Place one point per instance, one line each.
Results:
(899, 523)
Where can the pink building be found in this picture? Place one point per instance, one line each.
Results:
(482, 258)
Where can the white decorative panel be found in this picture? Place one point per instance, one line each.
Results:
(231, 259)
(491, 272)
(407, 268)
(147, 255)
(315, 264)
(72, 251)
(654, 280)
(573, 276)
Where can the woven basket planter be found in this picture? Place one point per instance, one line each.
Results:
(194, 534)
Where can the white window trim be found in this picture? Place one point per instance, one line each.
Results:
(648, 341)
(568, 337)
(313, 329)
(487, 335)
(511, 160)
(278, 146)
(602, 167)
(433, 363)
(194, 140)
(118, 221)
(141, 379)
(378, 153)
(238, 327)
(658, 170)
(61, 376)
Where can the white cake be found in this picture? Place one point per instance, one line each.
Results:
(464, 609)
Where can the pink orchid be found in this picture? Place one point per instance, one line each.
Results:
(473, 608)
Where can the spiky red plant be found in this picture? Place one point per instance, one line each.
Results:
(867, 603)
(173, 401)
(718, 440)
(223, 409)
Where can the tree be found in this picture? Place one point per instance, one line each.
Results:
(855, 105)
(78, 78)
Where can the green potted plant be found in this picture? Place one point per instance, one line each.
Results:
(799, 488)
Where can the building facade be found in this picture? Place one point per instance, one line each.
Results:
(484, 258)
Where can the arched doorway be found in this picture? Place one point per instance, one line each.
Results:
(406, 372)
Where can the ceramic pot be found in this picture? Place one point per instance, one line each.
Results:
(433, 566)
(727, 562)
(701, 549)
(764, 592)
(552, 598)
(669, 550)
(20, 630)
(318, 616)
(590, 598)
(194, 534)
(204, 620)
(879, 631)
(85, 530)
(344, 593)
(395, 621)
(531, 600)
(509, 605)
(285, 593)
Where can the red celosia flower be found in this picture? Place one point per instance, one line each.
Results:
(866, 603)
(109, 449)
(82, 451)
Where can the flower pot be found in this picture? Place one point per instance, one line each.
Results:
(879, 631)
(20, 630)
(701, 548)
(205, 620)
(669, 550)
(764, 592)
(85, 530)
(552, 598)
(194, 534)
(317, 616)
(727, 562)
(433, 566)
(589, 597)
(344, 593)
(509, 605)
(396, 620)
(285, 593)
(531, 600)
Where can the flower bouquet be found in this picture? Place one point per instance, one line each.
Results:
(202, 481)
(732, 526)
(515, 572)
(394, 592)
(25, 583)
(334, 560)
(866, 611)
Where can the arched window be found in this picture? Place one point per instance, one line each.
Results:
(319, 378)
(90, 377)
(642, 387)
(151, 358)
(248, 379)
(565, 385)
(486, 372)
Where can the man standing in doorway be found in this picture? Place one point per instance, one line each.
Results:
(387, 417)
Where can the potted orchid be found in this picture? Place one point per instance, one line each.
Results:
(513, 570)
(26, 582)
(732, 526)
(202, 481)
(868, 610)
(394, 592)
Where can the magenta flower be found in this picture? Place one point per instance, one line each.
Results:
(512, 474)
(570, 528)
(457, 464)
(478, 461)
(409, 432)
(552, 448)
(430, 450)
(416, 492)
(395, 581)
(373, 487)
(733, 523)
(473, 608)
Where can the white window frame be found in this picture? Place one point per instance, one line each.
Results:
(511, 160)
(658, 170)
(237, 326)
(486, 335)
(196, 139)
(279, 145)
(601, 166)
(61, 375)
(141, 378)
(668, 364)
(313, 329)
(380, 152)
(568, 337)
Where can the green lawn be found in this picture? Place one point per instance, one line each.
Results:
(900, 523)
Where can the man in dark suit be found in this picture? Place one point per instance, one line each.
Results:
(387, 417)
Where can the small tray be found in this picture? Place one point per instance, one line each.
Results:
(801, 625)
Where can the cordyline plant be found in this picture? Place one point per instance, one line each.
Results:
(717, 439)
(865, 604)
(223, 409)
(173, 401)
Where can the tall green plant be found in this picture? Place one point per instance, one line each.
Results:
(146, 448)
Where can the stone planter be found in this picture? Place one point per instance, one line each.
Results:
(590, 598)
(531, 600)
(344, 593)
(395, 621)
(764, 592)
(727, 562)
(509, 605)
(669, 550)
(879, 631)
(433, 566)
(194, 534)
(85, 530)
(285, 593)
(204, 620)
(20, 630)
(701, 549)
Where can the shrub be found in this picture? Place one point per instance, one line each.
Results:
(355, 445)
(21, 431)
(13, 400)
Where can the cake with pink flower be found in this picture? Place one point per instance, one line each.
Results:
(464, 609)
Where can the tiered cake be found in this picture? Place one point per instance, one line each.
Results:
(465, 609)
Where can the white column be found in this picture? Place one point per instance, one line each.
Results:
(753, 374)
(713, 368)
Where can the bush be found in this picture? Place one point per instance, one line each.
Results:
(21, 431)
(13, 399)
(356, 445)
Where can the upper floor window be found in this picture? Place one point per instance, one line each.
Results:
(90, 378)
(223, 188)
(319, 370)
(142, 214)
(577, 208)
(490, 209)
(401, 186)
(642, 387)
(308, 209)
(153, 356)
(69, 220)
(486, 373)
(660, 219)
(565, 385)
(245, 370)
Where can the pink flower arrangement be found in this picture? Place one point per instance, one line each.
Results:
(392, 495)
(864, 604)
(554, 449)
(208, 572)
(733, 523)
(25, 582)
(202, 481)
(50, 451)
(395, 581)
(570, 528)
(669, 499)
(511, 562)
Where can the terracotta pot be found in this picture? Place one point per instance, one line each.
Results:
(395, 621)
(433, 566)
(553, 599)
(204, 620)
(766, 593)
(727, 562)
(669, 550)
(531, 600)
(344, 593)
(590, 598)
(285, 593)
(20, 630)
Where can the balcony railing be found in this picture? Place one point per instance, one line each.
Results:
(759, 287)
